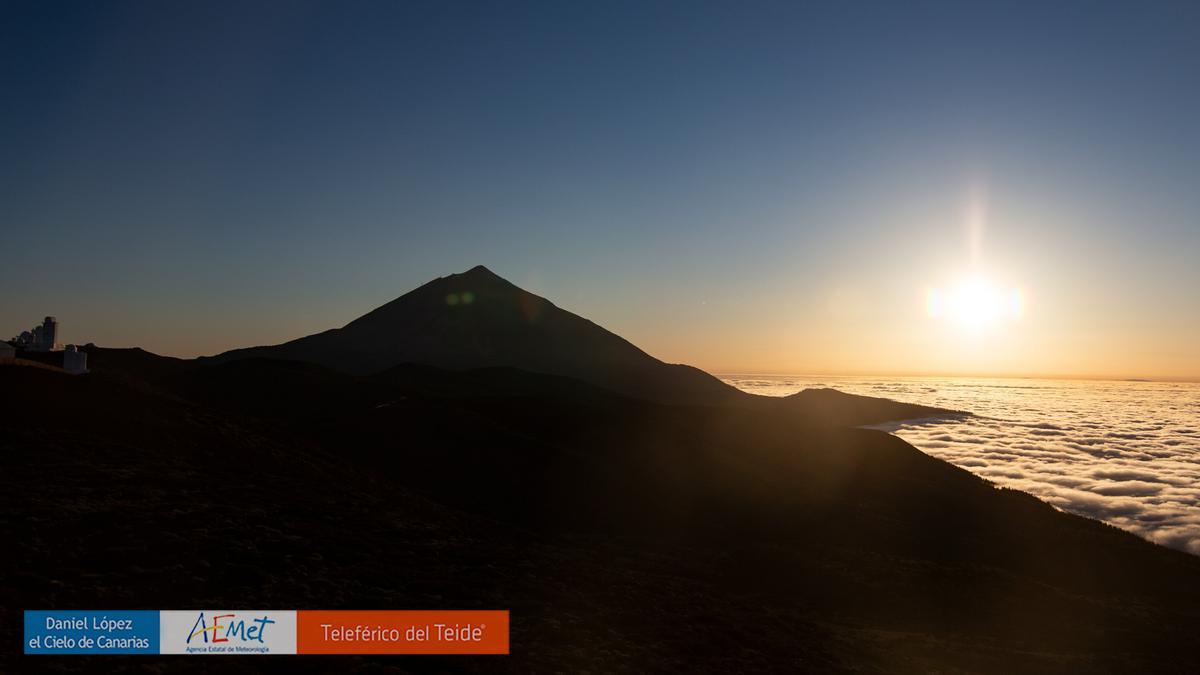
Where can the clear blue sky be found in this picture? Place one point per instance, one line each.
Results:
(737, 185)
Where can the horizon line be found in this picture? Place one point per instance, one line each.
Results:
(720, 372)
(988, 376)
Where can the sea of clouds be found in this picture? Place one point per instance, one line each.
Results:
(1124, 452)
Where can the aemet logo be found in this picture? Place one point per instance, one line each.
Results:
(236, 627)
(227, 632)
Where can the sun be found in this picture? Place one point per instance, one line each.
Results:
(975, 303)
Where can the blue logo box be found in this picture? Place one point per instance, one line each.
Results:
(91, 632)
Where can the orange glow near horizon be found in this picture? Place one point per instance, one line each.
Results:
(987, 303)
(936, 286)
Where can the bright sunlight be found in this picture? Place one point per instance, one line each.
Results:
(974, 303)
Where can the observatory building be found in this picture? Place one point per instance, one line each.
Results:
(43, 338)
(74, 361)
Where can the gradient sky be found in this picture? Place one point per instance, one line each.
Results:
(761, 187)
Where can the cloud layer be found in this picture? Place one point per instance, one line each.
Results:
(1127, 453)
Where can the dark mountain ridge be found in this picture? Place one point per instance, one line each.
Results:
(623, 534)
(705, 530)
(476, 319)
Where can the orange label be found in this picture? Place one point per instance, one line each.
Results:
(402, 632)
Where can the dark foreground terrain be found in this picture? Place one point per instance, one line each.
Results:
(624, 535)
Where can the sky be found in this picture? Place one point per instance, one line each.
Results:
(749, 187)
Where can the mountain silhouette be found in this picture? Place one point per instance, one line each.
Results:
(471, 444)
(477, 319)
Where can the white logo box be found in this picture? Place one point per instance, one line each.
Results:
(227, 631)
